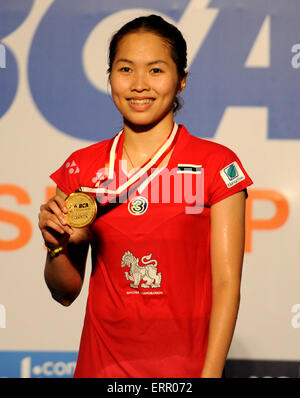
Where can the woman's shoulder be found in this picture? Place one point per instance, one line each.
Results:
(207, 147)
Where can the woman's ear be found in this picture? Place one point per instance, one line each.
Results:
(182, 83)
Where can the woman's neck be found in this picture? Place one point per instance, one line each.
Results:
(144, 140)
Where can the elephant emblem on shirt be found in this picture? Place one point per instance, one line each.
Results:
(141, 275)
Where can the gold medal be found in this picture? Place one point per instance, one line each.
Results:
(82, 209)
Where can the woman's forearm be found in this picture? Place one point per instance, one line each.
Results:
(64, 274)
(225, 305)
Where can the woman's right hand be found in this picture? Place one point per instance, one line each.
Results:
(64, 275)
(52, 222)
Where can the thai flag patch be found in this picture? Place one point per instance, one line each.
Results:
(189, 168)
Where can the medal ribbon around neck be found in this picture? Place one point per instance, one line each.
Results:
(153, 162)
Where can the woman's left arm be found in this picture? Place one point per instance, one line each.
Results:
(227, 251)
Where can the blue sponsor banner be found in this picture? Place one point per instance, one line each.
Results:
(37, 364)
(218, 78)
(12, 15)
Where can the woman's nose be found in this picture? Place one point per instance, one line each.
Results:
(140, 82)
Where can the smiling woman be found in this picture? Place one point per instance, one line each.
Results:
(147, 69)
(144, 84)
(165, 282)
(170, 37)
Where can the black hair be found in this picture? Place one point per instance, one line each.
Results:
(168, 32)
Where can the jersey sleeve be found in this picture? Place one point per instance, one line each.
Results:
(229, 177)
(67, 176)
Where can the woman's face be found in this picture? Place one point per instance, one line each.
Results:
(144, 79)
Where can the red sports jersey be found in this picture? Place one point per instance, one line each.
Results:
(149, 301)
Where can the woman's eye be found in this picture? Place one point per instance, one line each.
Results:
(125, 69)
(156, 70)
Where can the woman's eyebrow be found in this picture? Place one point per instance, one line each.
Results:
(157, 61)
(124, 60)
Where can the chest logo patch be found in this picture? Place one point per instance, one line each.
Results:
(138, 206)
(144, 275)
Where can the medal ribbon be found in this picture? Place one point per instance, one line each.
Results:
(153, 162)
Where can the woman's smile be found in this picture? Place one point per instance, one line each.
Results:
(140, 104)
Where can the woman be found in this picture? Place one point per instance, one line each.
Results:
(165, 283)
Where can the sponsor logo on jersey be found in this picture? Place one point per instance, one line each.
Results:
(72, 167)
(144, 275)
(189, 169)
(138, 206)
(232, 174)
(100, 176)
